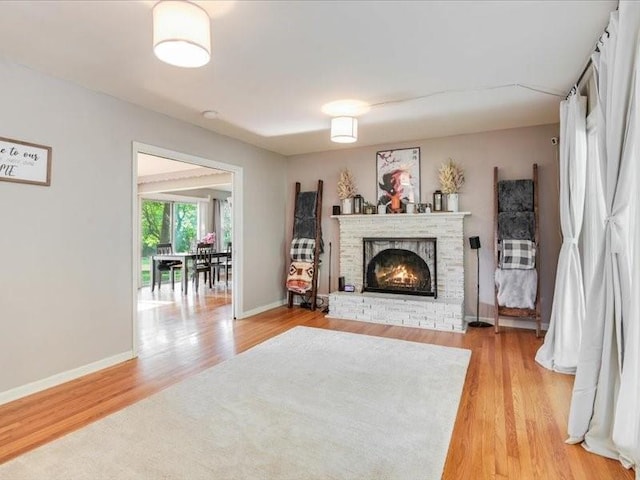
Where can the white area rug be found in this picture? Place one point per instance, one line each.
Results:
(308, 404)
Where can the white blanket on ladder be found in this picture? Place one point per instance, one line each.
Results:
(517, 288)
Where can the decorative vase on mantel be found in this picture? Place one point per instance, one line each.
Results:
(451, 178)
(452, 202)
(347, 206)
(346, 191)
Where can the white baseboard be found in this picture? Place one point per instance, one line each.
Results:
(509, 322)
(63, 377)
(264, 308)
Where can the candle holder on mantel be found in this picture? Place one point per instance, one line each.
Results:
(358, 202)
(437, 201)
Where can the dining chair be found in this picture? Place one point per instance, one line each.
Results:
(222, 261)
(167, 265)
(203, 264)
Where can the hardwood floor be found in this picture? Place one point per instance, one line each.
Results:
(511, 422)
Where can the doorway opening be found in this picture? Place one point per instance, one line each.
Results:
(180, 202)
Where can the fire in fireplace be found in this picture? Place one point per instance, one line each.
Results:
(400, 265)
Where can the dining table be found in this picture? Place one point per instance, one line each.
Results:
(185, 258)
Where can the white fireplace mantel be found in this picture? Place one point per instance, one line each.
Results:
(401, 216)
(445, 313)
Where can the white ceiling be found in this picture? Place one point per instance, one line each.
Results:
(152, 165)
(158, 169)
(274, 64)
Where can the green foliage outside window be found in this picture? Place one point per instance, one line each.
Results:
(157, 227)
(186, 226)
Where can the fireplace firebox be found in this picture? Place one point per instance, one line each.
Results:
(400, 265)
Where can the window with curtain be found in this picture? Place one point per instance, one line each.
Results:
(166, 222)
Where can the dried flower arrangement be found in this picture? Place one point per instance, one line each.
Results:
(346, 185)
(451, 177)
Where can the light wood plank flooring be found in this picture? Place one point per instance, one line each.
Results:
(511, 422)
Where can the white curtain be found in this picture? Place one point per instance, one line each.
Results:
(626, 429)
(562, 341)
(607, 366)
(216, 221)
(203, 218)
(592, 237)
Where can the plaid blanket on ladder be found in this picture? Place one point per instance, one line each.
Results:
(302, 249)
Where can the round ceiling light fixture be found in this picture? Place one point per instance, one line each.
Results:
(344, 124)
(181, 33)
(344, 129)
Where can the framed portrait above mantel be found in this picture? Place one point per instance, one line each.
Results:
(398, 178)
(24, 162)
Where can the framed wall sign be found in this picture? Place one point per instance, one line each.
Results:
(398, 174)
(24, 162)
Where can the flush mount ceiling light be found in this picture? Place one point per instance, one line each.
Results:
(344, 129)
(181, 34)
(344, 124)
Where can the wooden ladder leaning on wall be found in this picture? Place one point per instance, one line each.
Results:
(316, 254)
(512, 312)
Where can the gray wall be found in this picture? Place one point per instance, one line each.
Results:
(514, 151)
(66, 283)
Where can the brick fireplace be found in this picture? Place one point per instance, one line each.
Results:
(446, 312)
